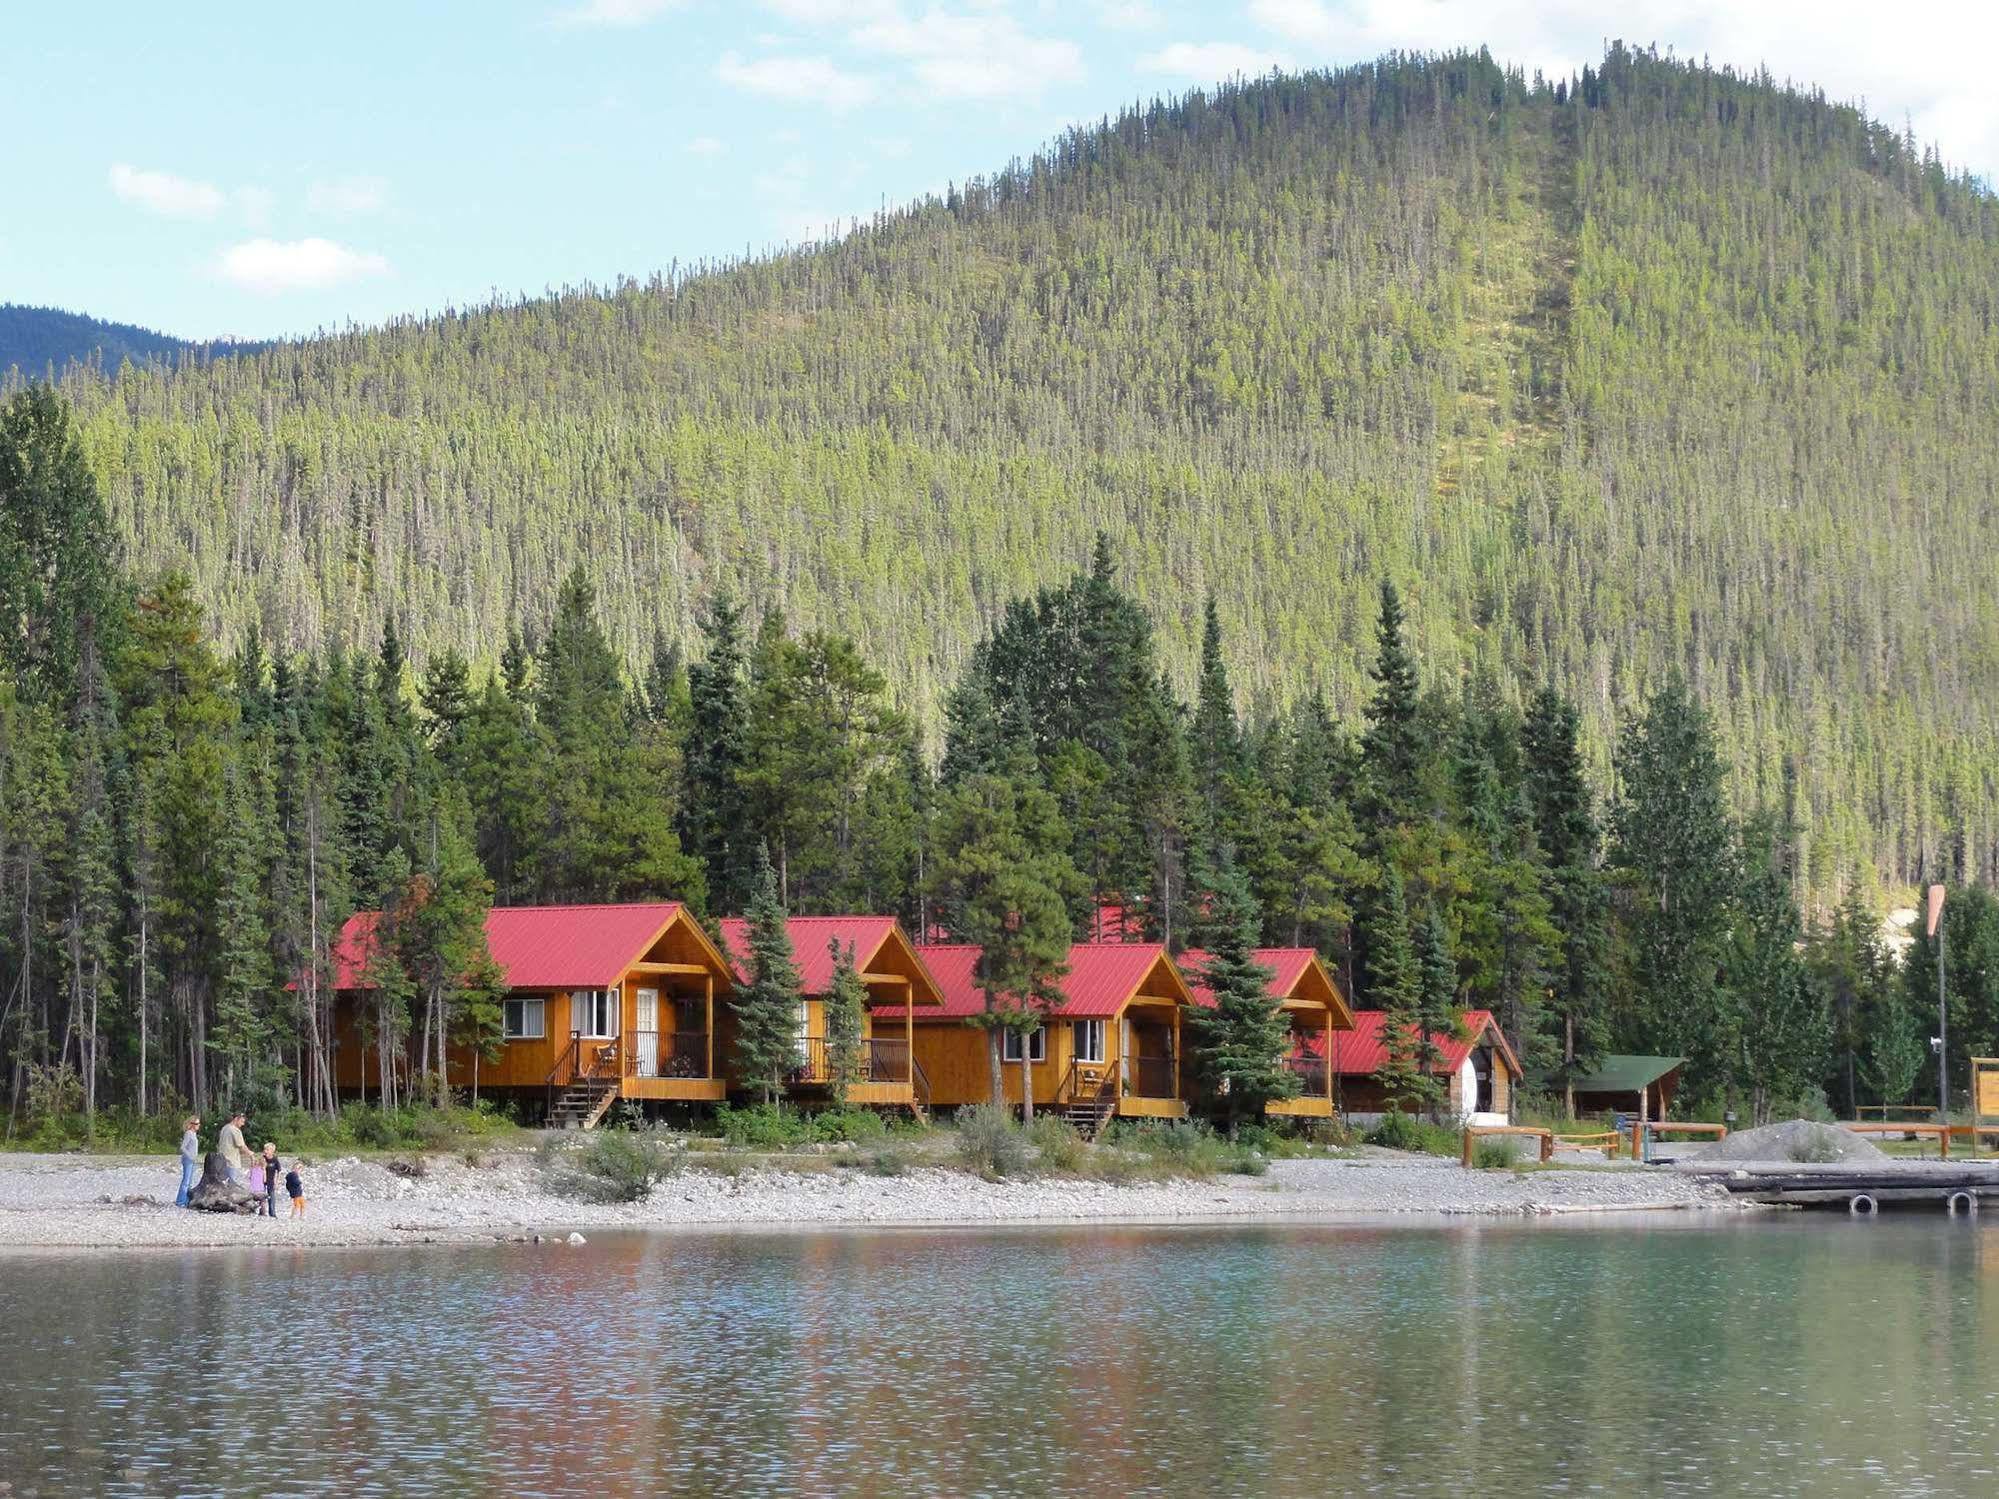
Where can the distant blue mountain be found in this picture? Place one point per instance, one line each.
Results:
(38, 340)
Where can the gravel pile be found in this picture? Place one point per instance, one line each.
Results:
(1797, 1140)
(58, 1201)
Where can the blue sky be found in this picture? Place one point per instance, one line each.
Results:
(251, 169)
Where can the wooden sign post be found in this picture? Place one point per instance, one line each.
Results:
(1984, 1098)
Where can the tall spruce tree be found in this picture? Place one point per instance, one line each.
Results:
(1241, 1042)
(846, 1016)
(1437, 1013)
(1395, 987)
(1565, 826)
(1780, 1025)
(1674, 860)
(767, 1007)
(1392, 749)
(713, 819)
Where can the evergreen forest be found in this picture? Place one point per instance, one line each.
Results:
(1656, 384)
(185, 828)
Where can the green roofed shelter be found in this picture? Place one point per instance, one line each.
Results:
(1630, 1085)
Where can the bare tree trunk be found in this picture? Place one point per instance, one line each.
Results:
(142, 1007)
(993, 1069)
(1569, 1064)
(1026, 1080)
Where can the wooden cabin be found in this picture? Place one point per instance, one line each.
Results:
(1316, 1009)
(1479, 1068)
(602, 1002)
(898, 984)
(1112, 1048)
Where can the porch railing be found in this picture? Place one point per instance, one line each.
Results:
(882, 1061)
(666, 1054)
(1310, 1072)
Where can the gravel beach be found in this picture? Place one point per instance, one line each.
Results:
(96, 1202)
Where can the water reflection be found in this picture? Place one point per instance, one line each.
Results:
(1765, 1357)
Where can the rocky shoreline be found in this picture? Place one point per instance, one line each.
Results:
(97, 1203)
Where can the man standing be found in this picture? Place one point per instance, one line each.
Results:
(235, 1153)
(190, 1157)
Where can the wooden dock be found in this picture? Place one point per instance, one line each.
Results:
(1858, 1188)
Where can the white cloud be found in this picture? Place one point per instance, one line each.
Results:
(705, 145)
(798, 80)
(831, 12)
(1933, 70)
(348, 197)
(615, 12)
(984, 56)
(1210, 62)
(270, 266)
(164, 193)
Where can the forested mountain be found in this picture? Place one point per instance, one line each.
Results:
(1659, 369)
(37, 340)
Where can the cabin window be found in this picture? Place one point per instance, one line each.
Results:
(1089, 1038)
(1037, 1048)
(597, 1012)
(522, 1020)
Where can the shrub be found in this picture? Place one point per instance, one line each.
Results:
(1399, 1131)
(990, 1143)
(762, 1125)
(1060, 1147)
(373, 1128)
(615, 1166)
(1489, 1155)
(1820, 1148)
(888, 1163)
(852, 1125)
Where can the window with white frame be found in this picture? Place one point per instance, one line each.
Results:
(1089, 1039)
(1037, 1049)
(596, 1012)
(522, 1020)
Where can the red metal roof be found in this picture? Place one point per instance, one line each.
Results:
(1102, 976)
(809, 938)
(1289, 965)
(1360, 1052)
(538, 947)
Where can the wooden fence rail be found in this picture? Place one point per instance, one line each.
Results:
(1640, 1129)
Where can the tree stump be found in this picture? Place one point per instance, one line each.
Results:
(216, 1193)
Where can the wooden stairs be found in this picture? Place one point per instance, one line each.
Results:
(583, 1104)
(1089, 1104)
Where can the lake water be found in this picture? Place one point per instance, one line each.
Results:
(1671, 1355)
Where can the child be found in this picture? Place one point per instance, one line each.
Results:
(295, 1189)
(257, 1182)
(273, 1168)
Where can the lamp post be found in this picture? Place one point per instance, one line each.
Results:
(1943, 1011)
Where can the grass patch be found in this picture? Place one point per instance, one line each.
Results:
(1399, 1131)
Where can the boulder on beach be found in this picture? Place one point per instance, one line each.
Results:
(1802, 1141)
(215, 1193)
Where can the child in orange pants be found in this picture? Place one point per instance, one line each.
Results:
(295, 1190)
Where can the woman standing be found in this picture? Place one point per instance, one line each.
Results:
(190, 1157)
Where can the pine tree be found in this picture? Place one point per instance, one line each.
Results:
(846, 1014)
(767, 1007)
(1674, 858)
(713, 820)
(1565, 827)
(243, 972)
(1395, 988)
(1782, 1029)
(1002, 880)
(1240, 1044)
(1392, 750)
(1437, 1013)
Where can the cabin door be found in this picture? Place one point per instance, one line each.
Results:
(647, 1033)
